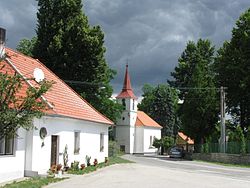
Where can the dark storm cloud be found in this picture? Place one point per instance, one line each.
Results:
(149, 34)
(19, 19)
(152, 34)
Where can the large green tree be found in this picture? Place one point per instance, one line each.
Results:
(195, 79)
(18, 111)
(27, 46)
(74, 50)
(160, 103)
(232, 66)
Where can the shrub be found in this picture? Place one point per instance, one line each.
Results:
(75, 165)
(237, 137)
(114, 149)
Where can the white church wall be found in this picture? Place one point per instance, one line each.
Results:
(123, 136)
(150, 132)
(139, 139)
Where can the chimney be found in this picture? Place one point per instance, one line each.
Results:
(2, 42)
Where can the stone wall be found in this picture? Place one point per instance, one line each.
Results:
(223, 158)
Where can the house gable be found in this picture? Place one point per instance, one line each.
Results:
(65, 101)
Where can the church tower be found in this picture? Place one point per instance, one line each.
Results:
(125, 128)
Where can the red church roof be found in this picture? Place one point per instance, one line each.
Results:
(127, 91)
(144, 120)
(65, 101)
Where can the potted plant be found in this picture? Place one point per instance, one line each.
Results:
(65, 158)
(95, 162)
(87, 158)
(75, 165)
(82, 166)
(59, 170)
(106, 160)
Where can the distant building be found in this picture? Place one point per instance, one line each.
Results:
(135, 130)
(184, 141)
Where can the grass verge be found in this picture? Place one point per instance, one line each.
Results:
(226, 164)
(35, 182)
(112, 161)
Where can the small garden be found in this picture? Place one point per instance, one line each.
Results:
(83, 169)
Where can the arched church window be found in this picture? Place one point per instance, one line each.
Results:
(133, 104)
(124, 104)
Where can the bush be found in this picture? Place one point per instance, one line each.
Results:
(237, 136)
(167, 142)
(75, 165)
(114, 149)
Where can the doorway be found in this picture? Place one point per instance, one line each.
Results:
(54, 150)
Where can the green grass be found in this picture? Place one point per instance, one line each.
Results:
(226, 164)
(88, 169)
(36, 182)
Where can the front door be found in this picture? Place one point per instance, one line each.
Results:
(54, 150)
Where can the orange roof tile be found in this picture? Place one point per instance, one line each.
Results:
(127, 91)
(65, 100)
(144, 120)
(185, 138)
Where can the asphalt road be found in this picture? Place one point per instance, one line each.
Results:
(151, 172)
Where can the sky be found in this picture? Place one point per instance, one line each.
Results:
(148, 34)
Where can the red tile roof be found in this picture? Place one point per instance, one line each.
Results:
(127, 91)
(144, 120)
(185, 138)
(65, 101)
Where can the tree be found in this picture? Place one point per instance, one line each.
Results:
(199, 112)
(232, 67)
(74, 50)
(26, 46)
(236, 141)
(166, 142)
(18, 111)
(160, 103)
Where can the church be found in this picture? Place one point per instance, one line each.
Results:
(135, 130)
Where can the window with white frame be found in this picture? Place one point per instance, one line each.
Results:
(76, 142)
(101, 142)
(7, 146)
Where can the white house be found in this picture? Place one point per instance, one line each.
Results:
(69, 121)
(135, 130)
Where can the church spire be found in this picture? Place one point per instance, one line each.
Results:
(127, 91)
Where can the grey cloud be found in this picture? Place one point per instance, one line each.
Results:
(149, 34)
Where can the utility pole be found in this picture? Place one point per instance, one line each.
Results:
(222, 119)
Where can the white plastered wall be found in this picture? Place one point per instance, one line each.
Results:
(12, 166)
(139, 140)
(123, 136)
(64, 128)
